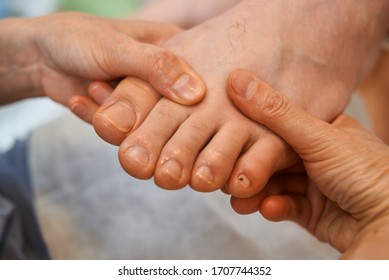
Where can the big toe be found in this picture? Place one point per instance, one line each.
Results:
(124, 110)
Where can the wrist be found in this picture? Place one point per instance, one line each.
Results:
(19, 71)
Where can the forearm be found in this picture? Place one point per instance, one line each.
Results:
(19, 71)
(184, 13)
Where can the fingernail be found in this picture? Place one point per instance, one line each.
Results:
(139, 155)
(187, 87)
(120, 115)
(172, 169)
(78, 109)
(204, 173)
(244, 181)
(244, 85)
(99, 93)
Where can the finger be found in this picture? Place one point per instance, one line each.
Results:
(278, 185)
(289, 207)
(283, 199)
(99, 91)
(265, 105)
(83, 107)
(246, 206)
(277, 208)
(167, 73)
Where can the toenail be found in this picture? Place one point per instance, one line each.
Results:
(187, 87)
(139, 155)
(79, 109)
(120, 115)
(172, 169)
(244, 181)
(204, 173)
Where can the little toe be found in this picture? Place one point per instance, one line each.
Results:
(124, 110)
(255, 167)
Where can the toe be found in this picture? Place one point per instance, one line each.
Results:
(124, 110)
(254, 168)
(139, 152)
(215, 162)
(179, 154)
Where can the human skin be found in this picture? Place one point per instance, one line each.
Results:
(375, 93)
(184, 13)
(341, 195)
(58, 55)
(212, 144)
(181, 13)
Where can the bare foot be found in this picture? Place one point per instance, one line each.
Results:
(212, 144)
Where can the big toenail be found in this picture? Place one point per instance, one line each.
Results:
(205, 174)
(172, 169)
(244, 181)
(120, 115)
(187, 87)
(139, 155)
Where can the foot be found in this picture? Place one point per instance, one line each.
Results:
(212, 144)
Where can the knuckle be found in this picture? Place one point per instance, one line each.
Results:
(198, 128)
(199, 131)
(274, 104)
(164, 62)
(167, 110)
(215, 156)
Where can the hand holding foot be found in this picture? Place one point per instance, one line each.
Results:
(212, 144)
(59, 54)
(342, 195)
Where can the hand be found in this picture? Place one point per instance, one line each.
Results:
(57, 56)
(342, 195)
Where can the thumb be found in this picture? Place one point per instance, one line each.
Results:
(167, 73)
(265, 105)
(132, 51)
